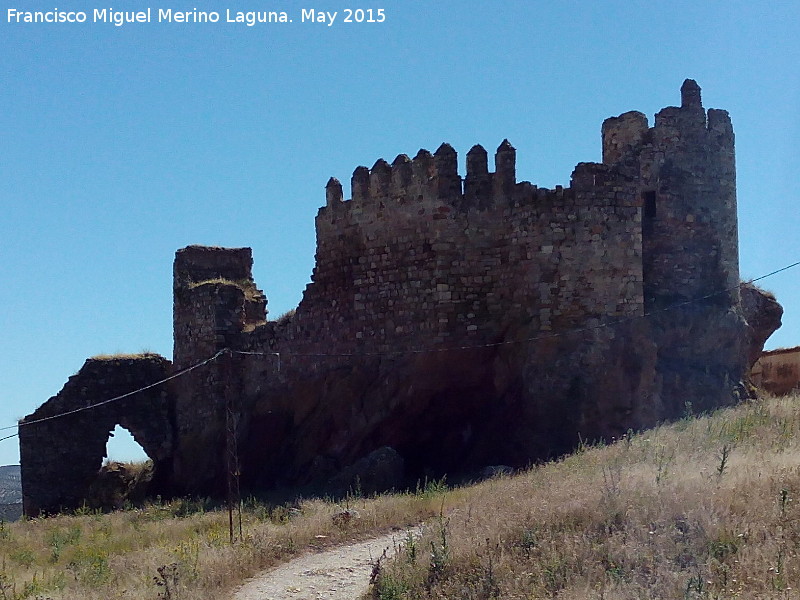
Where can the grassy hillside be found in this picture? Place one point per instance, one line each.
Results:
(704, 508)
(181, 550)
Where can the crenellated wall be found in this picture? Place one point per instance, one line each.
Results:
(413, 261)
(475, 320)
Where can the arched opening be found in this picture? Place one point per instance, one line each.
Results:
(62, 459)
(124, 476)
(121, 447)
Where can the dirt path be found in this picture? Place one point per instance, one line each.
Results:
(341, 573)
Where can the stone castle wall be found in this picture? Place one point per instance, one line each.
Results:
(421, 261)
(466, 321)
(421, 257)
(412, 262)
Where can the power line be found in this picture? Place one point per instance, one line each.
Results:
(117, 398)
(397, 352)
(786, 268)
(536, 338)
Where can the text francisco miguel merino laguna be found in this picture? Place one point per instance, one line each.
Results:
(168, 15)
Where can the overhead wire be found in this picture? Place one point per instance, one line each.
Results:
(279, 355)
(536, 338)
(120, 397)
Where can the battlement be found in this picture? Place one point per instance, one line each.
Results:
(686, 126)
(432, 177)
(429, 186)
(631, 149)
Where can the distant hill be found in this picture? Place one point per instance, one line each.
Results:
(10, 493)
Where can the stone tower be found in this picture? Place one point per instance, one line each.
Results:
(215, 301)
(684, 172)
(686, 177)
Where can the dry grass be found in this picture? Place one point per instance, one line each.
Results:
(286, 317)
(179, 550)
(706, 508)
(246, 285)
(145, 354)
(218, 280)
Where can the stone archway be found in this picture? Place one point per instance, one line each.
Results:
(61, 455)
(123, 447)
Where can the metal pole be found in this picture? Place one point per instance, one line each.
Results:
(232, 447)
(229, 434)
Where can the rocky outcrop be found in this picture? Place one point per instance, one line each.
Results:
(763, 315)
(381, 470)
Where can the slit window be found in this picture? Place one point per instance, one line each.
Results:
(648, 211)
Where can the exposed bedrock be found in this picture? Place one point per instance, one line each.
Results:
(763, 315)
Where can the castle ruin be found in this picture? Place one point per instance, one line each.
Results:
(463, 322)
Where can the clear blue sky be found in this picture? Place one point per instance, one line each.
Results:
(123, 144)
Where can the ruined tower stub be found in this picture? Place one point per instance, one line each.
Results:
(215, 302)
(215, 297)
(684, 169)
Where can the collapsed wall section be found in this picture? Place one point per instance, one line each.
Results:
(63, 442)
